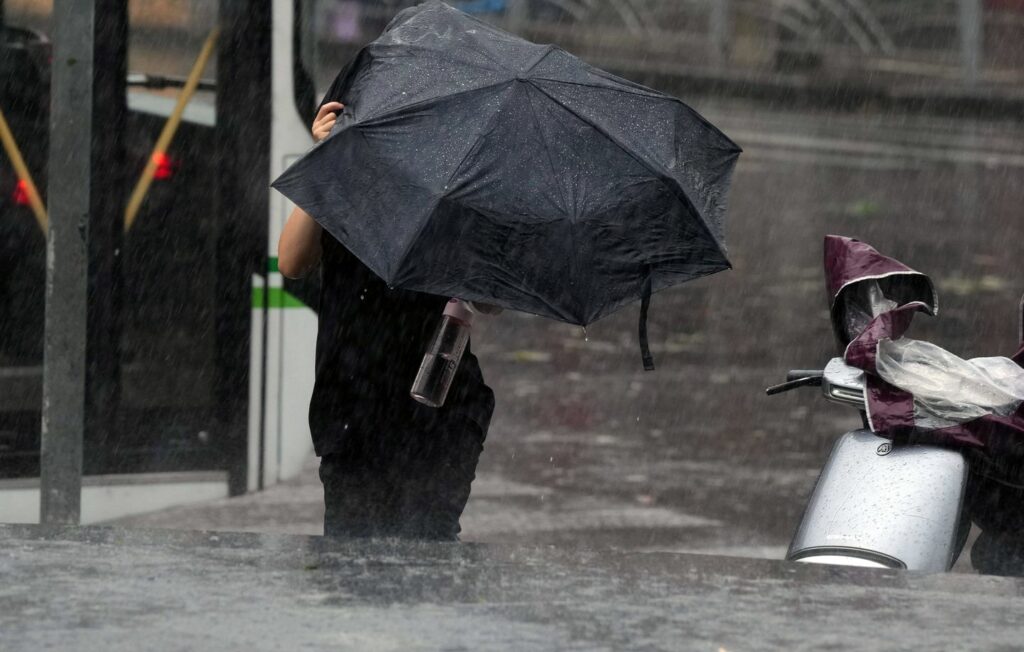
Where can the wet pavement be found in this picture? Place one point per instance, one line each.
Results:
(623, 471)
(698, 436)
(118, 589)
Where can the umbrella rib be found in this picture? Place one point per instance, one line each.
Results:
(392, 112)
(566, 203)
(652, 94)
(469, 151)
(647, 164)
(547, 152)
(625, 86)
(543, 55)
(490, 29)
(486, 55)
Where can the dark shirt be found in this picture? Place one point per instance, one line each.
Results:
(369, 347)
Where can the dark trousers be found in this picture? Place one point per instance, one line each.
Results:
(998, 510)
(407, 482)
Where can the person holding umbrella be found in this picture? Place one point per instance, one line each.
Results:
(470, 163)
(389, 465)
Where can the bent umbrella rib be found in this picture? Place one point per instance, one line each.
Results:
(392, 112)
(643, 91)
(469, 151)
(568, 203)
(649, 165)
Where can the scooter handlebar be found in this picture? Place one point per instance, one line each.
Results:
(796, 374)
(797, 378)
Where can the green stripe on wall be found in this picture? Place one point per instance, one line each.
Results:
(272, 265)
(278, 299)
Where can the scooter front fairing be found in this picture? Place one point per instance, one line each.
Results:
(879, 505)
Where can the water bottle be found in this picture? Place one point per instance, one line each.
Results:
(441, 360)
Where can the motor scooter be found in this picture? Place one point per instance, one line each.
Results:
(879, 503)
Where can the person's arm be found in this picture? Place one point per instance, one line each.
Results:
(298, 250)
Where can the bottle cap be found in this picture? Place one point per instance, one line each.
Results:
(458, 309)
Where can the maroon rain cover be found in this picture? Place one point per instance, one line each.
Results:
(891, 409)
(849, 261)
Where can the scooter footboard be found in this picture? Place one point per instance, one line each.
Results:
(886, 506)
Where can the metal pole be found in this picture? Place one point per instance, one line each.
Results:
(243, 155)
(720, 29)
(67, 279)
(972, 38)
(107, 199)
(80, 389)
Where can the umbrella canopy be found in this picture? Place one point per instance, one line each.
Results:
(471, 163)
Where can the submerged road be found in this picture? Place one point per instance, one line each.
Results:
(694, 456)
(111, 589)
(588, 450)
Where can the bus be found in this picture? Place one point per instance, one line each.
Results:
(215, 348)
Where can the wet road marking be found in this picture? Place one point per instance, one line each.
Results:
(754, 141)
(757, 160)
(902, 129)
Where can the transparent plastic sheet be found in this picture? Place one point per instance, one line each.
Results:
(947, 389)
(863, 302)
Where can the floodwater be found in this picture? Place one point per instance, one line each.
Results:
(105, 589)
(694, 456)
(588, 449)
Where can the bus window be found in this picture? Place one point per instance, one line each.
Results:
(165, 37)
(24, 99)
(168, 358)
(30, 14)
(168, 352)
(332, 31)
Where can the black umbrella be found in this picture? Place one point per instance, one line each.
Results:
(471, 163)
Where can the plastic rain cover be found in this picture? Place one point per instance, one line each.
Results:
(915, 388)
